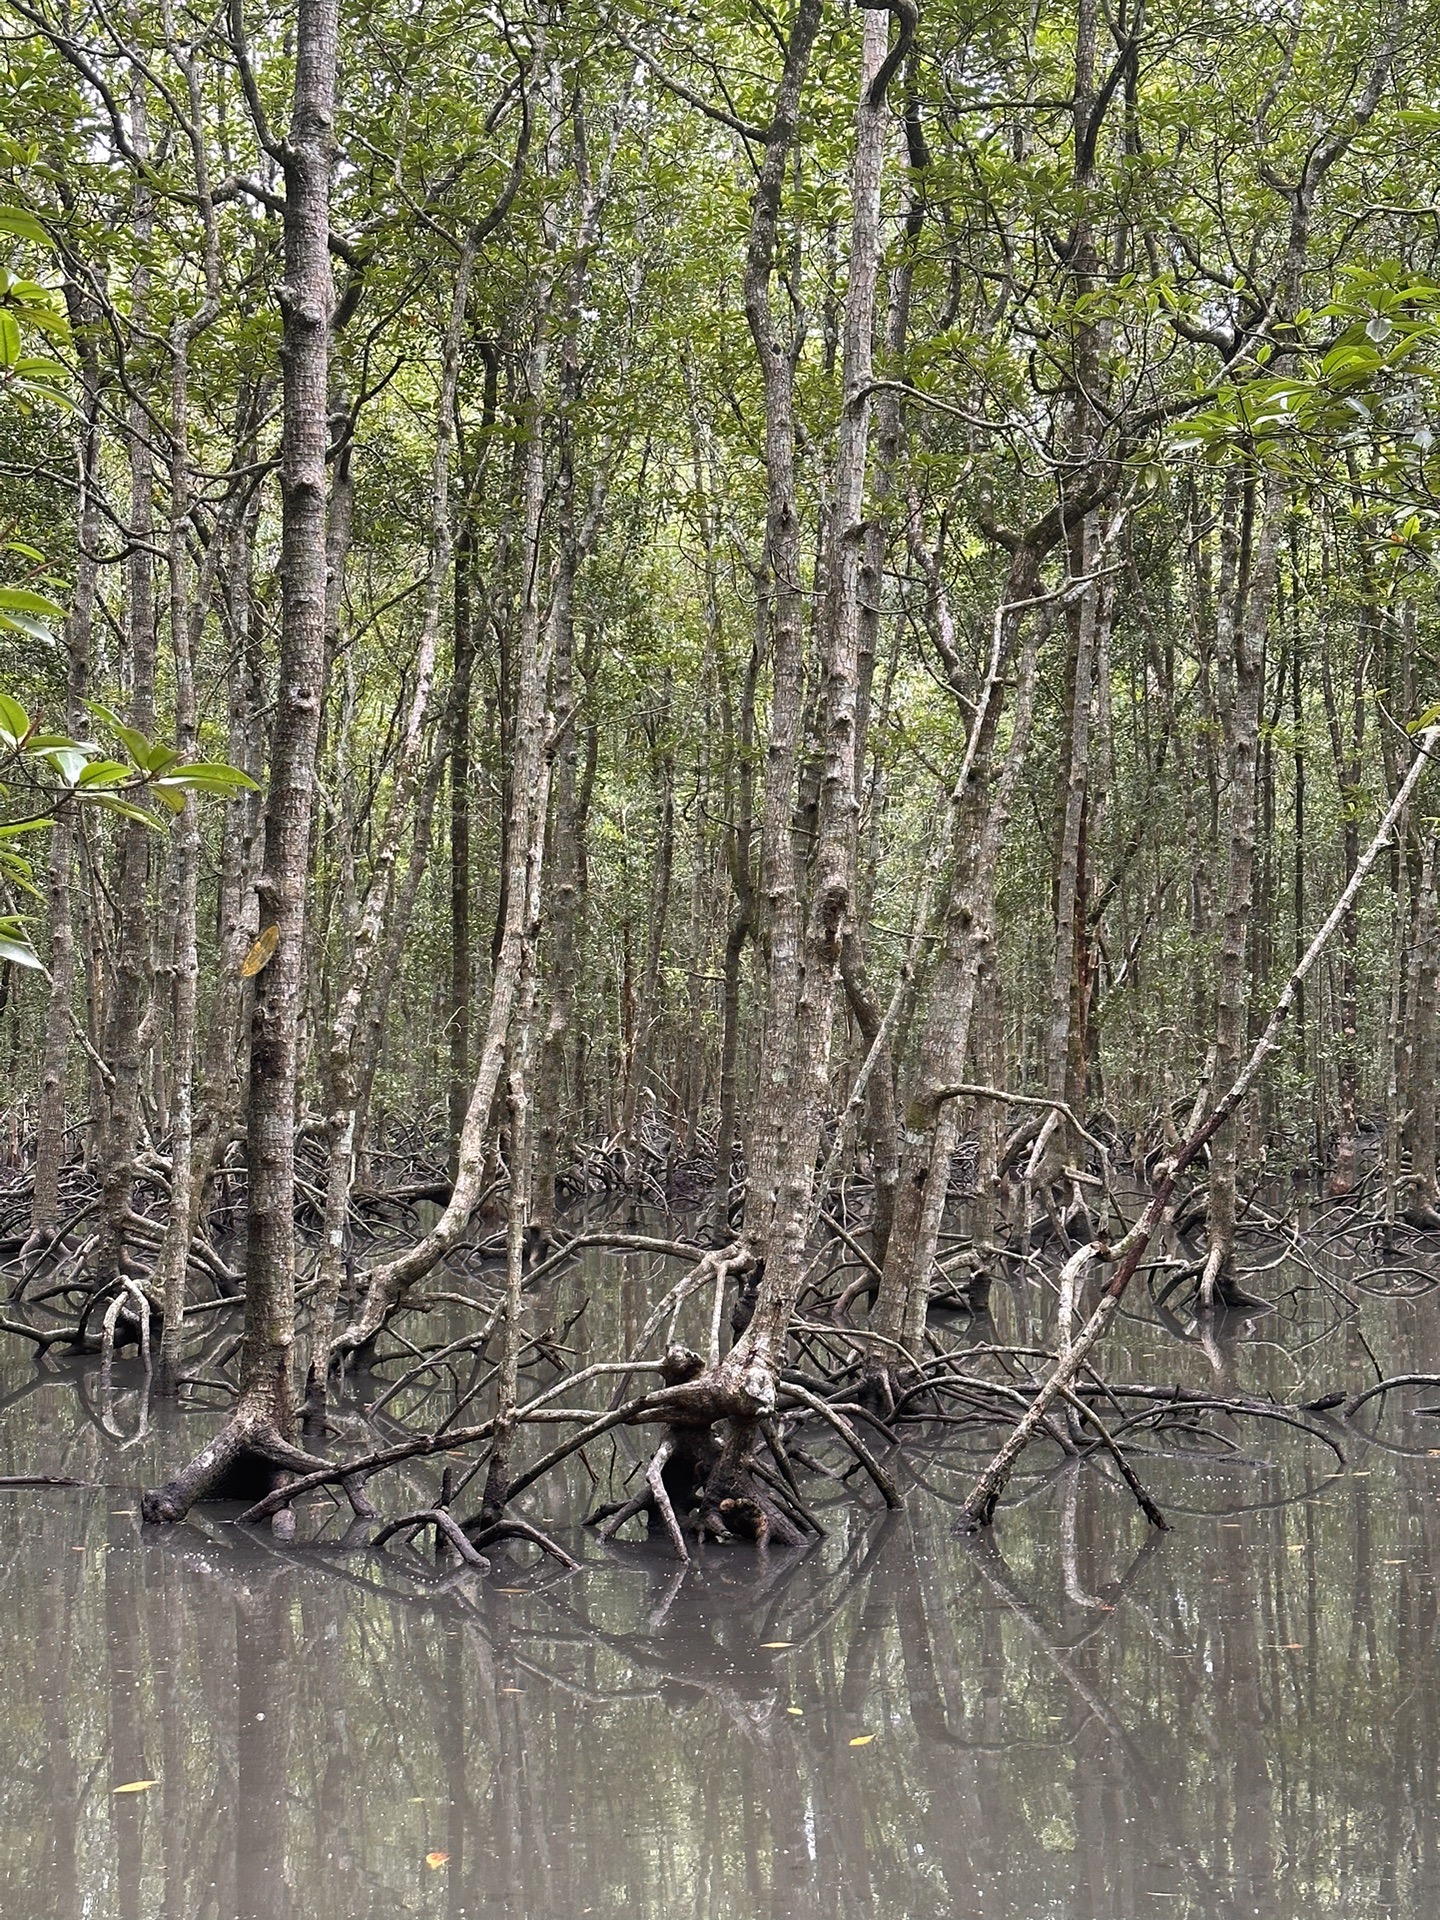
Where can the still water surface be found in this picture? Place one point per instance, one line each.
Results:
(1078, 1719)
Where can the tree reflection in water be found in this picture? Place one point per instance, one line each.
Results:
(1076, 1718)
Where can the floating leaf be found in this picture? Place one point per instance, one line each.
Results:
(435, 1861)
(777, 1643)
(260, 954)
(135, 1786)
(862, 1739)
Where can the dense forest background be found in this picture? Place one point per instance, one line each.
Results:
(797, 616)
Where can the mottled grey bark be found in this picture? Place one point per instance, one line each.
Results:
(264, 1418)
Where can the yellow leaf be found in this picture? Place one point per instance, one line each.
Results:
(777, 1643)
(862, 1739)
(135, 1786)
(262, 951)
(435, 1861)
(799, 1712)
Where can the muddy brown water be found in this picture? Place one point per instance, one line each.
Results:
(1076, 1719)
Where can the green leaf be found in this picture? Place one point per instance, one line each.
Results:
(32, 629)
(36, 366)
(24, 226)
(126, 809)
(103, 773)
(19, 952)
(68, 759)
(209, 776)
(134, 742)
(24, 600)
(15, 722)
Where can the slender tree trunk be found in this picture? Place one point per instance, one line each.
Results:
(467, 619)
(533, 748)
(354, 1039)
(1245, 597)
(225, 1060)
(805, 946)
(458, 1020)
(980, 813)
(648, 1003)
(182, 884)
(129, 1003)
(1420, 1091)
(740, 931)
(306, 304)
(1347, 746)
(1065, 1061)
(264, 1420)
(50, 1130)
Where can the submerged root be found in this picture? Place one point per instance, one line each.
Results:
(489, 1534)
(740, 1502)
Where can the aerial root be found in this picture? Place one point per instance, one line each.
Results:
(508, 1527)
(656, 1499)
(446, 1526)
(885, 1486)
(128, 1290)
(719, 1491)
(1127, 1473)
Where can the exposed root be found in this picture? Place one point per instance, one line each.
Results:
(447, 1528)
(736, 1503)
(884, 1485)
(1353, 1406)
(1127, 1473)
(248, 1456)
(1220, 1292)
(129, 1290)
(509, 1528)
(719, 1488)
